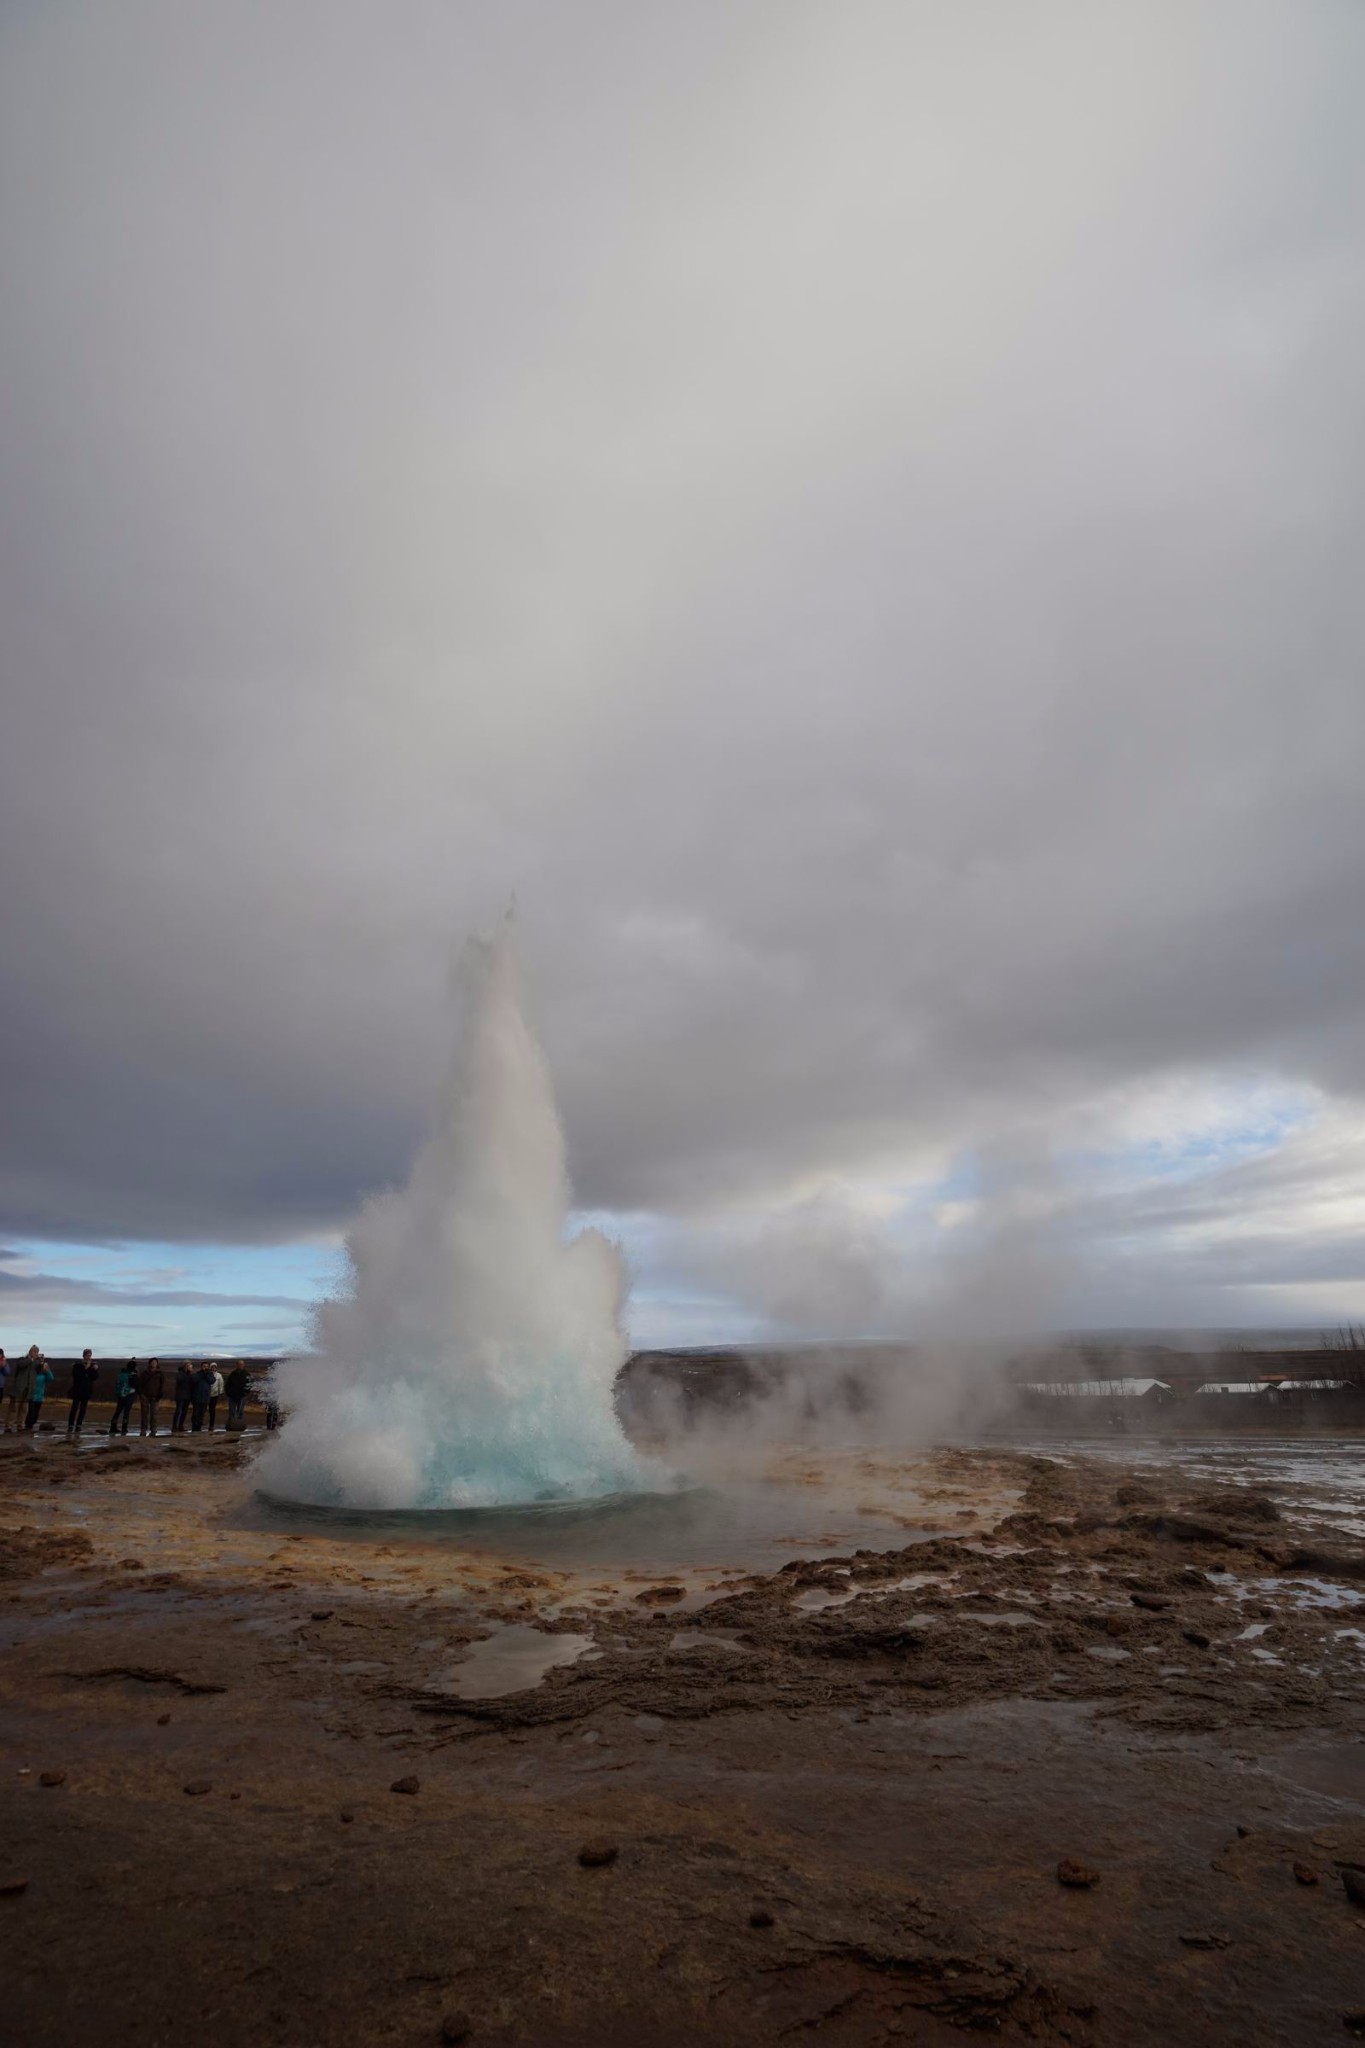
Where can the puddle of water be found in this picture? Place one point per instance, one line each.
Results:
(706, 1639)
(1005, 1620)
(1107, 1653)
(816, 1597)
(513, 1659)
(1306, 1595)
(1314, 1592)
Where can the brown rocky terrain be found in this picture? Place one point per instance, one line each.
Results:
(1091, 1772)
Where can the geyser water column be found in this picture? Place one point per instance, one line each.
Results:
(471, 1359)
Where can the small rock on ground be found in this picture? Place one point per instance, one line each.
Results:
(1305, 1874)
(52, 1777)
(760, 1917)
(1078, 1876)
(456, 2026)
(1354, 1881)
(197, 1787)
(596, 1855)
(408, 1784)
(10, 1887)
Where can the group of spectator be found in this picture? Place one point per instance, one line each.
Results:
(198, 1391)
(24, 1387)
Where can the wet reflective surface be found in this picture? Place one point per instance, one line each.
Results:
(745, 1523)
(509, 1660)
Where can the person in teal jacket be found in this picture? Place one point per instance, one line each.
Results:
(43, 1378)
(124, 1395)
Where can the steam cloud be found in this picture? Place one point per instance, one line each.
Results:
(472, 1358)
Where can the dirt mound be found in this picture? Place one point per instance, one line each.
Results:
(25, 1552)
(1235, 1504)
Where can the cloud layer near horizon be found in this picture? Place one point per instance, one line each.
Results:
(854, 514)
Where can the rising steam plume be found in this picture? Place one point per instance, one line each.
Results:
(472, 1356)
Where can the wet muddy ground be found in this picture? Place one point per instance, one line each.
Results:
(1062, 1747)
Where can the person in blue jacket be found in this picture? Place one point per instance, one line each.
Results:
(201, 1387)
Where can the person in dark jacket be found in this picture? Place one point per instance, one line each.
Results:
(238, 1385)
(201, 1386)
(151, 1385)
(84, 1373)
(19, 1390)
(124, 1394)
(184, 1383)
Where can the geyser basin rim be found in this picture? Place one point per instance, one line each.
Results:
(597, 1508)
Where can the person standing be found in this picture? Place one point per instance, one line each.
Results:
(84, 1373)
(43, 1377)
(21, 1391)
(184, 1387)
(200, 1382)
(238, 1387)
(151, 1385)
(215, 1396)
(123, 1399)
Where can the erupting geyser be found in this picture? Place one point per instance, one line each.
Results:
(472, 1357)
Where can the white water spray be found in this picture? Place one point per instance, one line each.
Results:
(471, 1360)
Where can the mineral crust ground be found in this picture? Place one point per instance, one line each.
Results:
(824, 1801)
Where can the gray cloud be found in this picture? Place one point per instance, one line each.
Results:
(855, 514)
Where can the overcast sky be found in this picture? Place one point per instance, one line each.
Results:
(856, 514)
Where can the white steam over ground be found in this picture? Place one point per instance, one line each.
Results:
(472, 1358)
